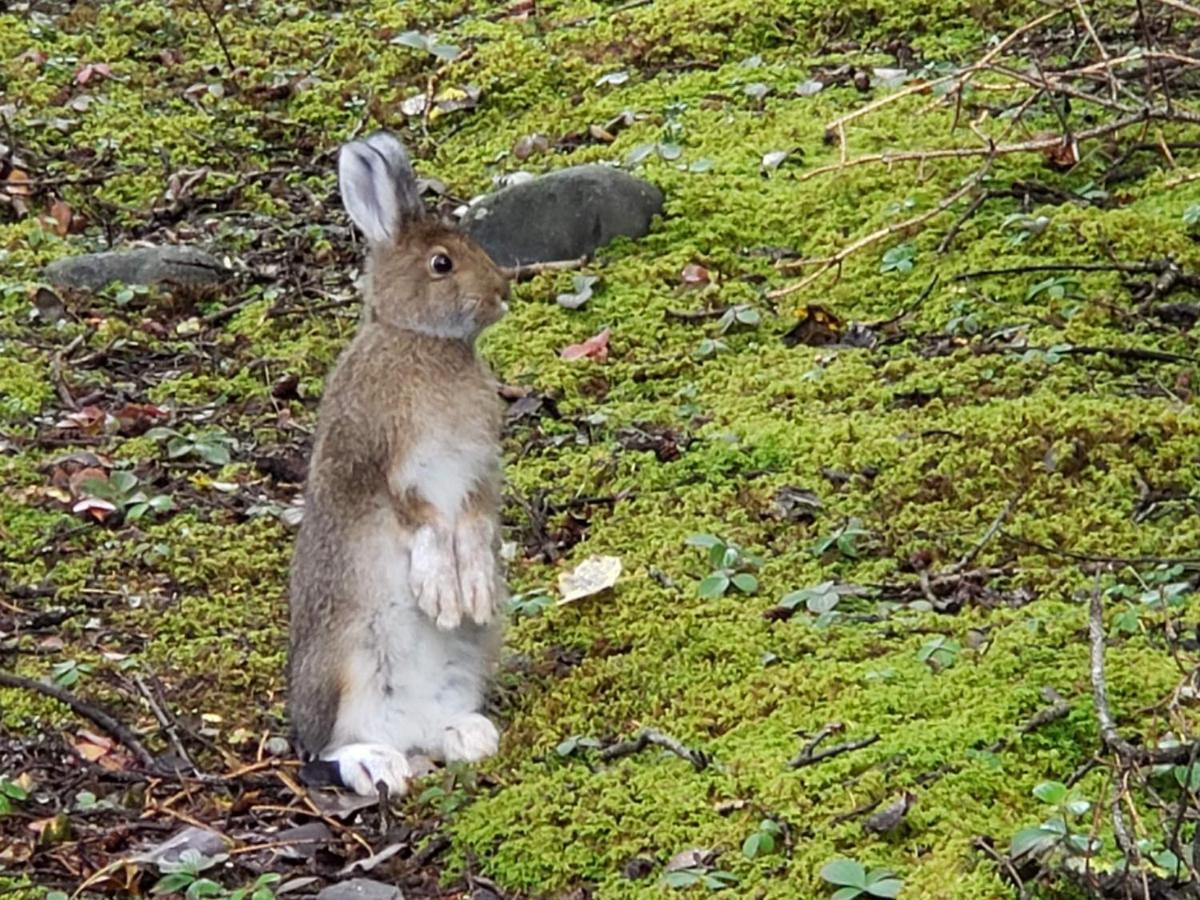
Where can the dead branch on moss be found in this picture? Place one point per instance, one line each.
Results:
(809, 754)
(1129, 85)
(829, 262)
(90, 712)
(652, 737)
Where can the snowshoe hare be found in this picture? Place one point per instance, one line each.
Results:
(395, 588)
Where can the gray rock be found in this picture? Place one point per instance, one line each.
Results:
(563, 215)
(145, 265)
(360, 889)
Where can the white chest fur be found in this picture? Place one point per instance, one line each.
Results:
(444, 469)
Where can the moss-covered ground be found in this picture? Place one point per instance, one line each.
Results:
(920, 441)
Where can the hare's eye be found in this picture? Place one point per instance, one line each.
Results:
(441, 264)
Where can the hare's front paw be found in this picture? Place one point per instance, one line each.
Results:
(363, 766)
(471, 737)
(433, 576)
(476, 569)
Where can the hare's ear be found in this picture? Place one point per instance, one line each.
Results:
(378, 186)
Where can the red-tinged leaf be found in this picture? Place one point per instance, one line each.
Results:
(54, 642)
(694, 273)
(104, 751)
(78, 479)
(595, 347)
(60, 212)
(33, 55)
(90, 420)
(92, 70)
(92, 746)
(134, 418)
(98, 509)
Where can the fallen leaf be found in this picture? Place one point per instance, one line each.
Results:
(816, 327)
(592, 576)
(582, 294)
(808, 88)
(694, 273)
(892, 815)
(773, 159)
(102, 751)
(92, 70)
(60, 212)
(204, 841)
(692, 858)
(595, 347)
(50, 307)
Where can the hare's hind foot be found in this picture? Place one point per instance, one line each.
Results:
(470, 738)
(361, 767)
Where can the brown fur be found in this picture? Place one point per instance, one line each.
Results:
(407, 365)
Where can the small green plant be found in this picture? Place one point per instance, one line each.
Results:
(1049, 356)
(530, 603)
(740, 314)
(68, 672)
(120, 491)
(710, 347)
(845, 540)
(575, 743)
(821, 600)
(731, 567)
(10, 793)
(444, 800)
(763, 841)
(1154, 593)
(965, 321)
(426, 42)
(213, 447)
(1055, 833)
(183, 876)
(713, 879)
(1191, 215)
(939, 652)
(1023, 227)
(902, 258)
(1058, 287)
(853, 880)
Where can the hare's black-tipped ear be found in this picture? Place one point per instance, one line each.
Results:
(378, 186)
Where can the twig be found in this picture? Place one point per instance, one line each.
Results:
(972, 208)
(829, 262)
(969, 557)
(1113, 560)
(166, 721)
(1151, 266)
(695, 315)
(1003, 860)
(216, 30)
(1127, 752)
(1057, 709)
(87, 710)
(1180, 5)
(1030, 146)
(837, 126)
(528, 270)
(1135, 353)
(648, 737)
(808, 757)
(1087, 24)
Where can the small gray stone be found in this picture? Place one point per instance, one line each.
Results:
(564, 215)
(145, 265)
(360, 889)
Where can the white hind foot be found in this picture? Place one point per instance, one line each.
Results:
(433, 576)
(470, 738)
(476, 569)
(362, 766)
